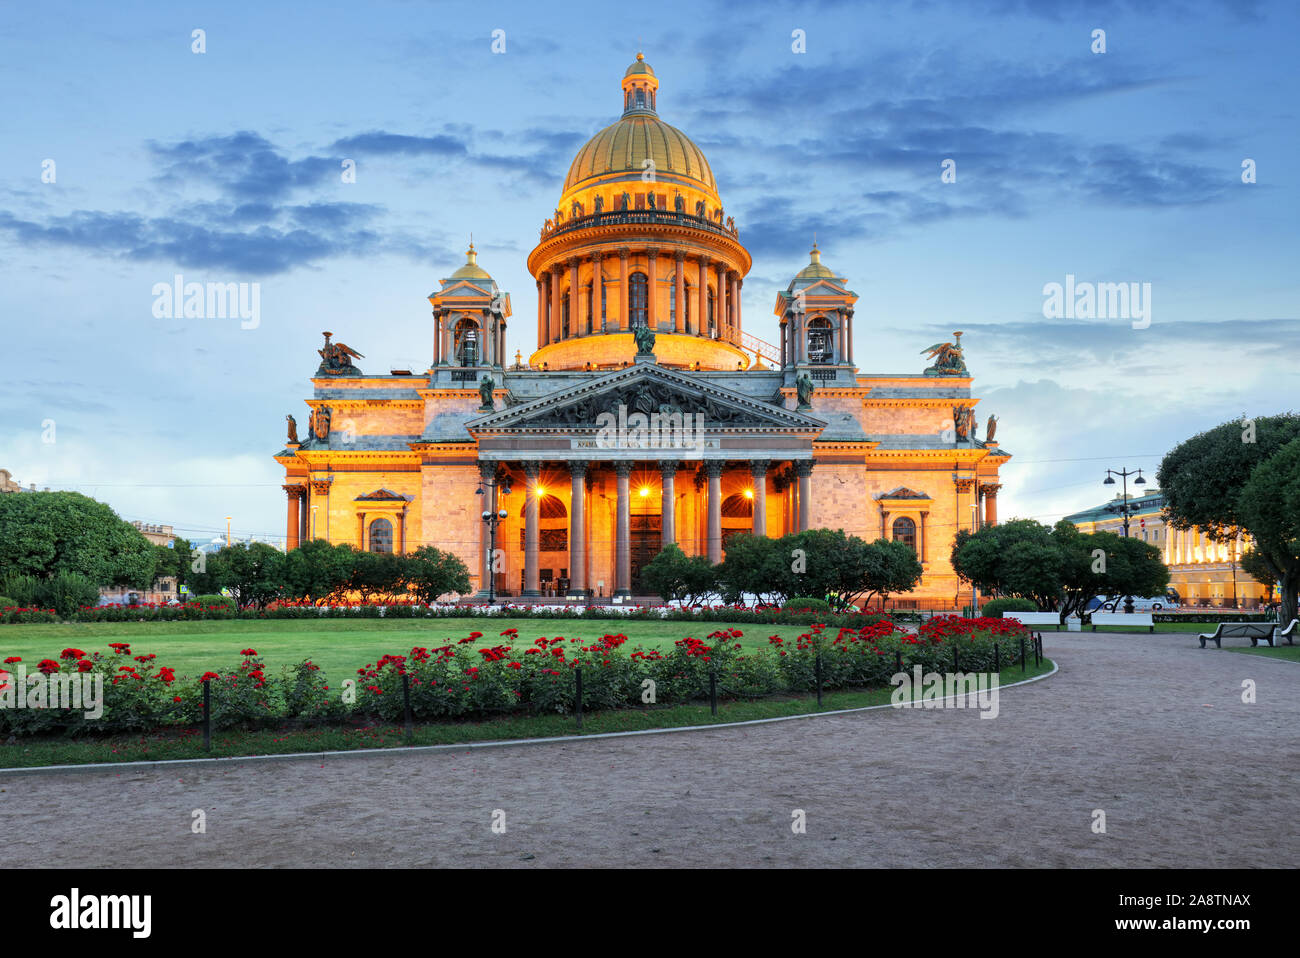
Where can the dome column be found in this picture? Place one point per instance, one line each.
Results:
(574, 315)
(556, 307)
(541, 310)
(623, 314)
(702, 314)
(652, 289)
(734, 325)
(597, 290)
(679, 300)
(720, 319)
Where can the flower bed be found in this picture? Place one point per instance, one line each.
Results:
(478, 677)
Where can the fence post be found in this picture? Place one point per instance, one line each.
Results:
(406, 704)
(956, 660)
(817, 665)
(207, 716)
(577, 702)
(1038, 644)
(1024, 665)
(997, 661)
(898, 661)
(713, 692)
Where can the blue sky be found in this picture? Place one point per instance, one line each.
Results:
(224, 166)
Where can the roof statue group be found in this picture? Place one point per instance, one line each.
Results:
(336, 359)
(948, 358)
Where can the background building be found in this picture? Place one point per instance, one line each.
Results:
(1204, 573)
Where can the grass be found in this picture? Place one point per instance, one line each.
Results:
(1289, 652)
(180, 744)
(339, 647)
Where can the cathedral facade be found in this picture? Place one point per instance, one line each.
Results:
(646, 416)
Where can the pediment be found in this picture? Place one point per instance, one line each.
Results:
(902, 492)
(648, 390)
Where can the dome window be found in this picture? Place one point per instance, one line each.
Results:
(638, 300)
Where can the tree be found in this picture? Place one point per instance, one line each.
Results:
(1255, 566)
(431, 573)
(254, 572)
(892, 567)
(754, 565)
(45, 533)
(1204, 480)
(1060, 569)
(676, 577)
(1269, 506)
(317, 570)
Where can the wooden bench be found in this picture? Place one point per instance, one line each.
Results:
(1035, 618)
(1240, 630)
(1288, 633)
(1123, 618)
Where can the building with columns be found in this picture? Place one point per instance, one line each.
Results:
(1205, 574)
(647, 415)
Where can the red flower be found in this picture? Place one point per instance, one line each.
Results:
(12, 659)
(207, 676)
(85, 665)
(248, 652)
(72, 654)
(48, 666)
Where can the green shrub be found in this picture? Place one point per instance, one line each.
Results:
(67, 593)
(7, 603)
(210, 600)
(994, 608)
(800, 604)
(24, 590)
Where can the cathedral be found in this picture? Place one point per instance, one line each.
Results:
(647, 415)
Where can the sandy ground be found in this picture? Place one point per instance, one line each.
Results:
(1149, 729)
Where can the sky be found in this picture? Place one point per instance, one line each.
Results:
(127, 158)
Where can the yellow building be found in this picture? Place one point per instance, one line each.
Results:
(1203, 573)
(647, 415)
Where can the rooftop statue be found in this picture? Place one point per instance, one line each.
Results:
(336, 359)
(948, 359)
(645, 340)
(804, 387)
(293, 428)
(989, 429)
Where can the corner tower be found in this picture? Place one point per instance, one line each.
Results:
(640, 239)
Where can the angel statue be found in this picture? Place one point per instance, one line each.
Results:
(990, 428)
(947, 357)
(293, 428)
(645, 340)
(336, 358)
(485, 387)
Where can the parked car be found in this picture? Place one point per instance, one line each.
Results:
(1159, 603)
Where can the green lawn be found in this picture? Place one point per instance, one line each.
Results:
(339, 647)
(175, 744)
(1288, 652)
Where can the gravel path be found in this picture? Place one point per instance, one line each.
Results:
(1149, 729)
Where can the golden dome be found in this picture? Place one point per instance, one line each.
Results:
(471, 269)
(815, 269)
(639, 66)
(623, 147)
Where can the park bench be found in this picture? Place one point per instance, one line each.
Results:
(1035, 618)
(1123, 618)
(1240, 630)
(1288, 633)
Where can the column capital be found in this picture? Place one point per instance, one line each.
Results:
(597, 256)
(804, 467)
(680, 256)
(705, 260)
(624, 253)
(758, 467)
(578, 467)
(714, 468)
(669, 467)
(292, 489)
(652, 253)
(320, 487)
(623, 468)
(487, 469)
(574, 261)
(532, 469)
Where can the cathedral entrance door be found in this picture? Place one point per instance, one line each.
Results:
(646, 541)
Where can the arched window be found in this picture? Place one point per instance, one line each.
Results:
(564, 316)
(467, 342)
(905, 532)
(820, 346)
(738, 507)
(712, 312)
(640, 99)
(638, 311)
(381, 536)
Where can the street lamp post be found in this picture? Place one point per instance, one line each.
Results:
(493, 519)
(1125, 509)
